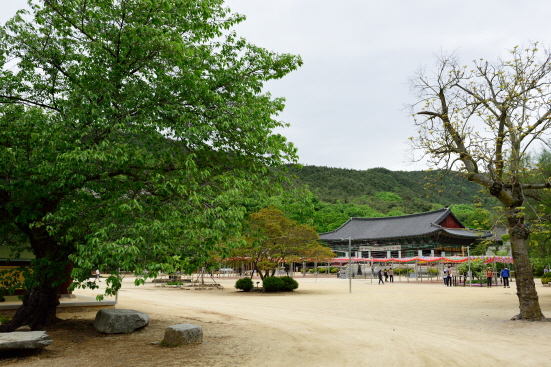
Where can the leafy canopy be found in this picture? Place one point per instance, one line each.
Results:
(130, 129)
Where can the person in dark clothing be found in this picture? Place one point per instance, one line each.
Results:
(505, 277)
(385, 272)
(380, 275)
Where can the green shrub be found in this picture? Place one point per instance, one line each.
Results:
(546, 278)
(400, 271)
(289, 284)
(433, 271)
(334, 270)
(272, 284)
(322, 270)
(174, 283)
(245, 284)
(4, 319)
(538, 264)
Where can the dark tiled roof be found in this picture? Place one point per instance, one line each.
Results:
(404, 226)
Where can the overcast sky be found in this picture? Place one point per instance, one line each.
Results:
(345, 104)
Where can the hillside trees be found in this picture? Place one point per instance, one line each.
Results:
(418, 189)
(129, 132)
(482, 119)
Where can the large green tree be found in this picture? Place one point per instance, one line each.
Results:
(483, 119)
(129, 131)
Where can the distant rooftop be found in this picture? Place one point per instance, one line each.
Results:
(404, 226)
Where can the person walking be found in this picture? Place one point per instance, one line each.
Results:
(385, 272)
(489, 276)
(449, 277)
(391, 275)
(445, 276)
(380, 275)
(97, 275)
(505, 277)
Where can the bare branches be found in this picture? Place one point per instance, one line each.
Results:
(487, 115)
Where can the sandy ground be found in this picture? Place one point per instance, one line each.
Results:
(320, 324)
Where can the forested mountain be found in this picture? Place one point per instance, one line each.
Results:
(344, 193)
(347, 185)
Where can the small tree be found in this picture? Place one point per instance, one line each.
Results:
(482, 120)
(272, 239)
(478, 269)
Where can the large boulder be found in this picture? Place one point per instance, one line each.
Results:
(24, 340)
(113, 321)
(183, 334)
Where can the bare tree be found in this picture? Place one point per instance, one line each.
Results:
(481, 120)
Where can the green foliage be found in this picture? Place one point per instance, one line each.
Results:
(432, 271)
(325, 269)
(472, 216)
(342, 193)
(478, 269)
(272, 284)
(400, 271)
(130, 133)
(388, 196)
(271, 239)
(4, 319)
(479, 249)
(546, 278)
(395, 213)
(288, 284)
(174, 283)
(538, 265)
(381, 188)
(245, 284)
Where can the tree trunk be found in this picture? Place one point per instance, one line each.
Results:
(526, 288)
(38, 309)
(40, 301)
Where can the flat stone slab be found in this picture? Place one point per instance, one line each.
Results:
(115, 321)
(183, 334)
(24, 340)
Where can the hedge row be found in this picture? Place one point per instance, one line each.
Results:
(270, 284)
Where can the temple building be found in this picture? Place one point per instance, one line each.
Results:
(434, 233)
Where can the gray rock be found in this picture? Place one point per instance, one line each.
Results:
(24, 340)
(113, 321)
(183, 334)
(23, 328)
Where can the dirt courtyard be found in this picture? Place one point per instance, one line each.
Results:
(320, 324)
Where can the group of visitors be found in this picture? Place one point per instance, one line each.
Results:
(387, 273)
(447, 275)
